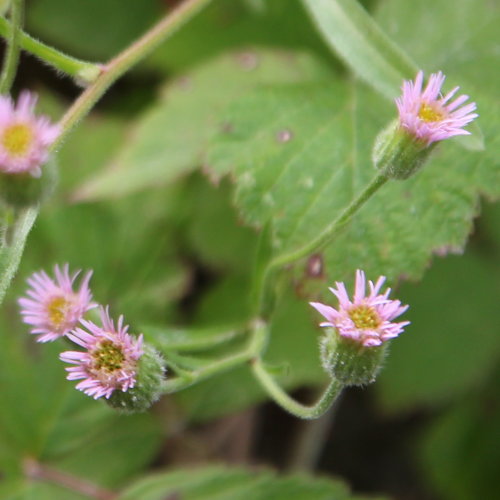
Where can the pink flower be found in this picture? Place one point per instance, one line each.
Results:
(429, 116)
(368, 318)
(52, 307)
(24, 138)
(109, 361)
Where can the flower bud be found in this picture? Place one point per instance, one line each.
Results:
(115, 365)
(353, 347)
(348, 361)
(23, 190)
(147, 388)
(425, 118)
(398, 154)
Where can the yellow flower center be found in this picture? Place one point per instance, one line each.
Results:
(108, 357)
(365, 317)
(429, 114)
(17, 139)
(57, 310)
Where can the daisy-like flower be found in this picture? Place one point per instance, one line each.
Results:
(429, 116)
(367, 319)
(110, 359)
(52, 307)
(24, 137)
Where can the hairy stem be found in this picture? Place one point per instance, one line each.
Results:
(11, 254)
(315, 245)
(12, 54)
(330, 231)
(126, 60)
(253, 350)
(82, 70)
(36, 471)
(288, 403)
(310, 441)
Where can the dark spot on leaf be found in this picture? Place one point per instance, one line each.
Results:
(284, 135)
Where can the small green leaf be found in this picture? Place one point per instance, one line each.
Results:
(362, 44)
(235, 484)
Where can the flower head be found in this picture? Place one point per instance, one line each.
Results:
(109, 362)
(52, 307)
(367, 319)
(24, 138)
(428, 115)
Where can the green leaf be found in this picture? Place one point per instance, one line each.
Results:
(300, 153)
(235, 484)
(468, 429)
(352, 33)
(214, 232)
(168, 140)
(227, 25)
(452, 344)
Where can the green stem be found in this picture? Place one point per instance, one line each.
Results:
(82, 70)
(310, 441)
(126, 60)
(287, 402)
(254, 349)
(11, 254)
(330, 231)
(12, 54)
(315, 245)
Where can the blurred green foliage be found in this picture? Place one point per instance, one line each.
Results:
(250, 95)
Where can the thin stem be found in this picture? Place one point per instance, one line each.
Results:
(254, 349)
(12, 253)
(219, 366)
(12, 54)
(126, 60)
(82, 70)
(40, 472)
(330, 231)
(310, 441)
(324, 238)
(287, 402)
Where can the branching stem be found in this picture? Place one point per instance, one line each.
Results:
(12, 53)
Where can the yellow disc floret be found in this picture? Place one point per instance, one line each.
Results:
(17, 138)
(365, 317)
(108, 357)
(57, 310)
(430, 114)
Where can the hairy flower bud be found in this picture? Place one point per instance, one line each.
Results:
(425, 118)
(147, 389)
(352, 349)
(348, 361)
